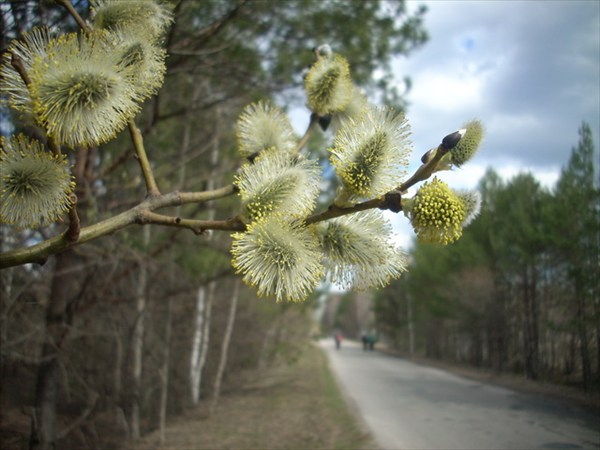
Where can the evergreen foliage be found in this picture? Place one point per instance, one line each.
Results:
(519, 291)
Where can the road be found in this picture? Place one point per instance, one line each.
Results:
(410, 406)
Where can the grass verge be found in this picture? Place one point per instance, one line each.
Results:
(297, 406)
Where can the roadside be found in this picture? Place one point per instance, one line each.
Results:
(289, 406)
(518, 383)
(301, 406)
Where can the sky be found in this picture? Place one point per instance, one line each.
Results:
(529, 70)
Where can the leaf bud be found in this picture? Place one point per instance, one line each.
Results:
(450, 141)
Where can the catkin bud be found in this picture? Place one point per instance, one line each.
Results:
(328, 85)
(35, 185)
(468, 145)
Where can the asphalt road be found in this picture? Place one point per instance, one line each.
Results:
(410, 406)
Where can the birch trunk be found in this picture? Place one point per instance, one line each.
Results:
(204, 299)
(206, 332)
(225, 346)
(204, 302)
(195, 369)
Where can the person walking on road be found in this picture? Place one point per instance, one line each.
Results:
(364, 337)
(338, 340)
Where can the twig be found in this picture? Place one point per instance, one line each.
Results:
(390, 201)
(69, 7)
(204, 196)
(427, 169)
(142, 157)
(82, 417)
(314, 120)
(72, 233)
(197, 226)
(18, 65)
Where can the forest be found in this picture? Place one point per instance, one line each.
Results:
(520, 292)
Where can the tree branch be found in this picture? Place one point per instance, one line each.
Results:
(197, 226)
(201, 197)
(69, 7)
(17, 64)
(142, 157)
(314, 120)
(425, 170)
(39, 253)
(390, 201)
(72, 233)
(82, 417)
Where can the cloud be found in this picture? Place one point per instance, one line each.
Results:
(529, 70)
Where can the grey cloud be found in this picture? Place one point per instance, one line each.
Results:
(543, 59)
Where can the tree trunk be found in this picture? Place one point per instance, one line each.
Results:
(206, 332)
(586, 366)
(138, 340)
(45, 432)
(120, 419)
(225, 346)
(164, 395)
(530, 334)
(195, 369)
(203, 301)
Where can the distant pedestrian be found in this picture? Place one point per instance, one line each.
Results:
(365, 340)
(338, 340)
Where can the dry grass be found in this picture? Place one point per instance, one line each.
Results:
(290, 407)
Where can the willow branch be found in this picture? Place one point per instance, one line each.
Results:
(428, 168)
(390, 201)
(314, 120)
(72, 233)
(17, 64)
(142, 157)
(201, 197)
(40, 252)
(197, 226)
(69, 7)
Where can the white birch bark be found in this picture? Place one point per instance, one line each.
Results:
(204, 300)
(205, 333)
(195, 369)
